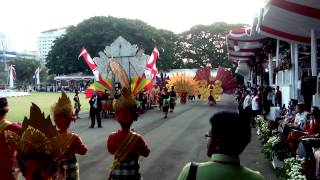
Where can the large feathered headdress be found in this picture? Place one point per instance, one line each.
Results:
(63, 106)
(126, 104)
(37, 136)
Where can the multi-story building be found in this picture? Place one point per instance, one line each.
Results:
(45, 41)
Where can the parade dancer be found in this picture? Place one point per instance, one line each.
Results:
(125, 144)
(173, 97)
(63, 115)
(166, 102)
(8, 165)
(39, 146)
(159, 97)
(211, 100)
(77, 105)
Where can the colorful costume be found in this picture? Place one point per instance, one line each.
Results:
(173, 97)
(125, 144)
(77, 105)
(165, 102)
(72, 145)
(39, 146)
(8, 161)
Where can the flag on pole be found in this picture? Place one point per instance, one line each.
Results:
(151, 67)
(37, 75)
(12, 75)
(92, 65)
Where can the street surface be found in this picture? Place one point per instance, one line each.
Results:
(173, 142)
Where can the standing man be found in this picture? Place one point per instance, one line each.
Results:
(278, 97)
(95, 109)
(223, 151)
(8, 163)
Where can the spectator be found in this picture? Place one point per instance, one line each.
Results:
(278, 97)
(224, 152)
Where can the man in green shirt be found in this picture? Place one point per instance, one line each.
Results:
(229, 136)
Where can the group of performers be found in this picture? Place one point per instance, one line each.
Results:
(167, 100)
(40, 150)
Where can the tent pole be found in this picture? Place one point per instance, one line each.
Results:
(314, 63)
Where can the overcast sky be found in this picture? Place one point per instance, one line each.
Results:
(23, 20)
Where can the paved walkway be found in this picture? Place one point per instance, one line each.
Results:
(254, 159)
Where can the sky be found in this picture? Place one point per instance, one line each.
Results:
(22, 21)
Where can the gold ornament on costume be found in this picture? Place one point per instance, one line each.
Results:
(63, 106)
(37, 135)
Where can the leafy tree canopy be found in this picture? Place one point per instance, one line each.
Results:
(195, 48)
(97, 32)
(203, 45)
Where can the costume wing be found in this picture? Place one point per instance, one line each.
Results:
(117, 69)
(227, 79)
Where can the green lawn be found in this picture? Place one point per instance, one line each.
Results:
(20, 106)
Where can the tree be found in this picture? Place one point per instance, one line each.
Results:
(97, 32)
(203, 45)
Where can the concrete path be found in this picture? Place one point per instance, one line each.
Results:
(173, 142)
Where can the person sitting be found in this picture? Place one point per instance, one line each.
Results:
(224, 152)
(126, 145)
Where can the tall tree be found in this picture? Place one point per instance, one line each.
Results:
(203, 45)
(97, 32)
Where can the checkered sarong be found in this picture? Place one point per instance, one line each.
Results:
(126, 171)
(71, 169)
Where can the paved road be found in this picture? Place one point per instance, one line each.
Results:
(173, 142)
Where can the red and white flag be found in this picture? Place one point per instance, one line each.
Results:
(151, 70)
(13, 72)
(92, 65)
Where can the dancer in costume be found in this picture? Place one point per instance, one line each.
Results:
(125, 144)
(165, 102)
(62, 113)
(173, 97)
(159, 97)
(77, 105)
(8, 163)
(39, 146)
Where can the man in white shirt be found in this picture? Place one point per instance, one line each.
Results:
(247, 101)
(300, 117)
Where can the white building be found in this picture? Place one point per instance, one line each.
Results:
(45, 41)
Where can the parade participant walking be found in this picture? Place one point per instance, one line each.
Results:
(95, 109)
(173, 97)
(224, 152)
(211, 100)
(39, 146)
(77, 105)
(62, 113)
(8, 165)
(165, 104)
(125, 144)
